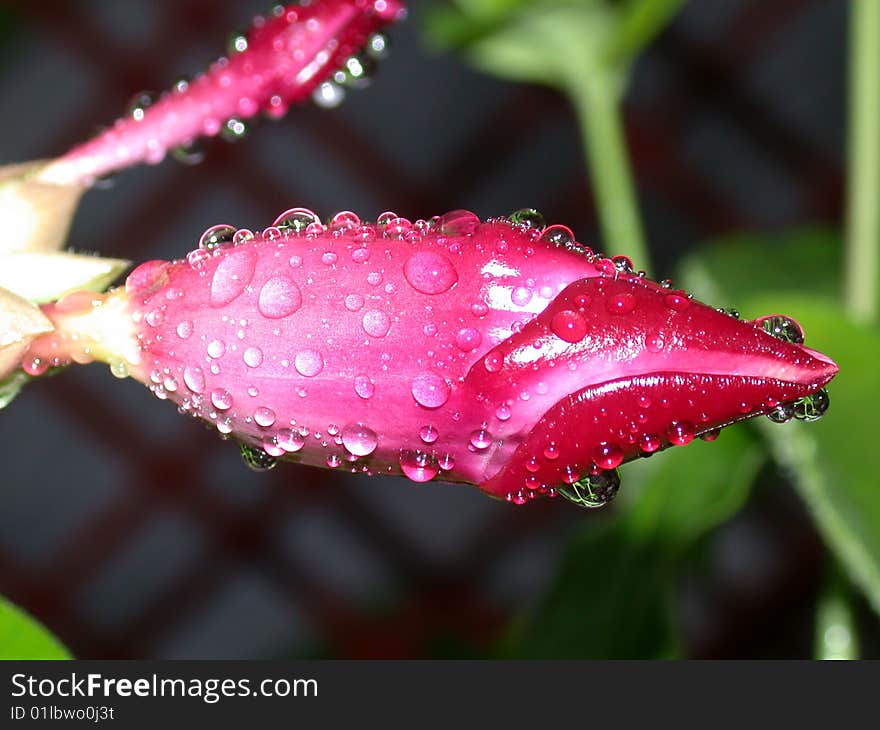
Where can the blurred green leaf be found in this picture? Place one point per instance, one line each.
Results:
(21, 637)
(834, 462)
(613, 595)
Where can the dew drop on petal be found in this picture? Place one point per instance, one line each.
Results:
(418, 465)
(232, 276)
(309, 363)
(468, 339)
(354, 302)
(568, 325)
(359, 440)
(253, 357)
(289, 440)
(622, 303)
(480, 439)
(680, 433)
(428, 434)
(279, 297)
(376, 323)
(607, 456)
(676, 301)
(194, 378)
(430, 272)
(364, 387)
(221, 399)
(430, 390)
(264, 416)
(458, 223)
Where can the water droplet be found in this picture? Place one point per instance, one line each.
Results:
(328, 95)
(480, 439)
(264, 417)
(458, 223)
(289, 440)
(155, 317)
(569, 325)
(622, 303)
(492, 362)
(680, 433)
(364, 387)
(551, 451)
(194, 378)
(676, 301)
(296, 220)
(137, 107)
(232, 276)
(623, 264)
(608, 456)
(378, 46)
(782, 328)
(376, 323)
(234, 130)
(354, 302)
(309, 363)
(593, 490)
(242, 235)
(418, 465)
(468, 339)
(216, 348)
(256, 459)
(279, 297)
(428, 434)
(217, 236)
(654, 341)
(447, 462)
(812, 407)
(236, 43)
(783, 413)
(558, 236)
(430, 390)
(359, 440)
(521, 296)
(479, 309)
(253, 357)
(503, 412)
(221, 399)
(528, 217)
(649, 443)
(430, 272)
(185, 329)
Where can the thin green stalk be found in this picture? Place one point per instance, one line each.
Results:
(836, 635)
(862, 273)
(599, 114)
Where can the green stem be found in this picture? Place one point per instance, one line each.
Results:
(598, 109)
(862, 273)
(836, 635)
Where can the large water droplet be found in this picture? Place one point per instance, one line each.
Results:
(221, 399)
(232, 276)
(480, 439)
(289, 440)
(458, 223)
(592, 491)
(256, 459)
(430, 390)
(680, 433)
(782, 328)
(468, 339)
(253, 357)
(622, 303)
(376, 323)
(812, 407)
(558, 236)
(418, 466)
(279, 297)
(364, 387)
(296, 220)
(430, 272)
(428, 434)
(359, 440)
(528, 217)
(309, 363)
(264, 417)
(608, 456)
(194, 378)
(569, 325)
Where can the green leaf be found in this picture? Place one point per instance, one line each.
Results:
(613, 595)
(22, 637)
(10, 387)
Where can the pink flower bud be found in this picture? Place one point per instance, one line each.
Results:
(499, 353)
(279, 62)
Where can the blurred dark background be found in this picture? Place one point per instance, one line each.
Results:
(133, 532)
